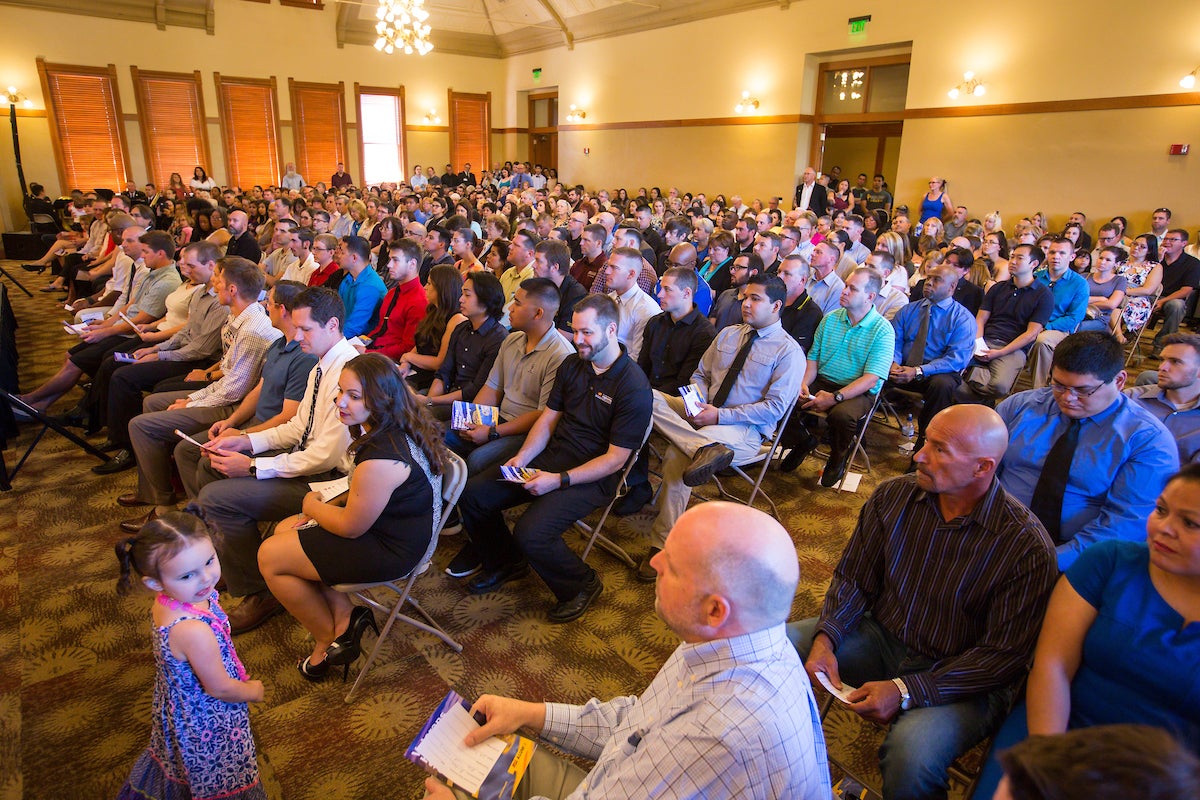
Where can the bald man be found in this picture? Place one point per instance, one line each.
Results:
(731, 712)
(934, 609)
(684, 255)
(241, 238)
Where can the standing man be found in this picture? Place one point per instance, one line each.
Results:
(361, 289)
(929, 610)
(340, 178)
(1070, 291)
(734, 659)
(810, 195)
(597, 414)
(934, 341)
(264, 476)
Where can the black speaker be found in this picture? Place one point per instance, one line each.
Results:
(23, 246)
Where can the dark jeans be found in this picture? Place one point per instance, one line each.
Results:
(538, 534)
(843, 419)
(116, 394)
(938, 393)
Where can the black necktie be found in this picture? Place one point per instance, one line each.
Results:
(734, 369)
(312, 413)
(1047, 500)
(915, 356)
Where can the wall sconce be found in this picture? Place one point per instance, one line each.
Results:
(970, 85)
(432, 117)
(1189, 81)
(15, 98)
(747, 104)
(575, 115)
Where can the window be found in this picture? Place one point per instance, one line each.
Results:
(381, 134)
(470, 129)
(249, 130)
(318, 128)
(171, 116)
(85, 125)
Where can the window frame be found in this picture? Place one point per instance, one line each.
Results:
(45, 70)
(451, 96)
(297, 135)
(398, 93)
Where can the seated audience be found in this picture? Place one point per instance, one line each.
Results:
(634, 306)
(1013, 313)
(890, 298)
(264, 476)
(1070, 292)
(966, 293)
(328, 273)
(474, 344)
(1112, 649)
(929, 610)
(379, 530)
(1143, 276)
(403, 307)
(431, 339)
(1174, 396)
(1087, 460)
(934, 341)
(674, 341)
(1105, 762)
(747, 379)
(684, 255)
(597, 414)
(362, 289)
(1106, 290)
(241, 239)
(302, 267)
(250, 334)
(592, 258)
(727, 576)
(850, 359)
(801, 315)
(647, 278)
(826, 285)
(715, 271)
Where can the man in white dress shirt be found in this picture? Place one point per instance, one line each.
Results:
(635, 306)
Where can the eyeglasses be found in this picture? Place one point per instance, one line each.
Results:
(1078, 392)
(1171, 239)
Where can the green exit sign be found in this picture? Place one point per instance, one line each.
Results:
(859, 24)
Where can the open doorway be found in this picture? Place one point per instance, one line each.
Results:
(870, 147)
(543, 129)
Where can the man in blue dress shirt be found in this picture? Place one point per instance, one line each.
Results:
(1070, 292)
(362, 289)
(934, 341)
(1103, 484)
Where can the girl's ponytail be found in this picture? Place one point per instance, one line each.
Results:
(124, 550)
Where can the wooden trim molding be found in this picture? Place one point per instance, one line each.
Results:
(509, 130)
(699, 122)
(1126, 102)
(428, 128)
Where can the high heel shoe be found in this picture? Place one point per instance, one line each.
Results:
(346, 648)
(319, 672)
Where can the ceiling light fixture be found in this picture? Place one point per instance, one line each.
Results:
(575, 115)
(15, 98)
(401, 26)
(747, 104)
(970, 85)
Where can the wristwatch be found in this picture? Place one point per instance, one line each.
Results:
(253, 469)
(564, 480)
(905, 697)
(838, 397)
(493, 434)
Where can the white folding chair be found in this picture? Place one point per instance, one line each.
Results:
(454, 479)
(1135, 352)
(595, 537)
(766, 452)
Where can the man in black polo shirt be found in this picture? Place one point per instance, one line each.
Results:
(1014, 312)
(801, 315)
(436, 244)
(597, 414)
(674, 341)
(727, 308)
(967, 293)
(1181, 276)
(241, 241)
(552, 260)
(473, 346)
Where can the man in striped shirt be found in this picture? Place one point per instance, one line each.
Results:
(935, 607)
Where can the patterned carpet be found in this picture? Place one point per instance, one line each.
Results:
(75, 682)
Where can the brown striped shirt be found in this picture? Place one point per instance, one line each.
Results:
(967, 593)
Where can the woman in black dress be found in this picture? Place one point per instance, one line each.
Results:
(377, 531)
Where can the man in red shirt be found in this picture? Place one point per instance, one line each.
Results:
(403, 307)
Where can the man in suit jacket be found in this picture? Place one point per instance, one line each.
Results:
(466, 177)
(810, 195)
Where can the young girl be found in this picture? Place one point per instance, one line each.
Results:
(200, 742)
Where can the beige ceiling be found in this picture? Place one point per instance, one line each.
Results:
(489, 28)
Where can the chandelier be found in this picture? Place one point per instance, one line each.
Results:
(402, 26)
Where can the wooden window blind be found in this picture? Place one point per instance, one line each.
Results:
(171, 117)
(381, 134)
(318, 128)
(249, 130)
(86, 128)
(470, 129)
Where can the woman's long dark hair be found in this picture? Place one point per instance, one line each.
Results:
(448, 285)
(393, 407)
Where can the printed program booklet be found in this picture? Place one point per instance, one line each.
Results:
(463, 414)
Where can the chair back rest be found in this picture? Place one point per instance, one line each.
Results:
(622, 485)
(454, 480)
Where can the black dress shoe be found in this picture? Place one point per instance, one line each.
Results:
(131, 500)
(835, 469)
(75, 418)
(797, 454)
(706, 462)
(38, 268)
(573, 609)
(645, 572)
(134, 525)
(122, 461)
(490, 580)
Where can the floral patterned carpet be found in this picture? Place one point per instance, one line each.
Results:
(77, 671)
